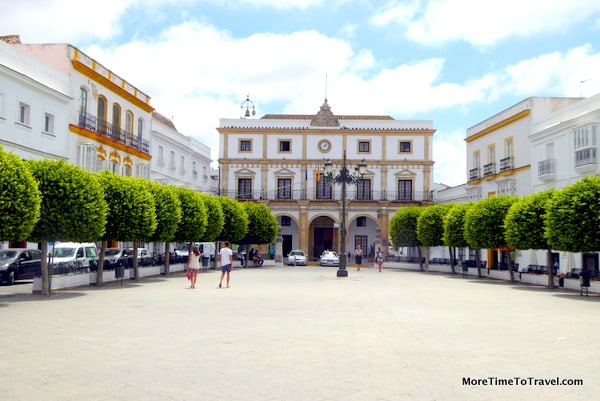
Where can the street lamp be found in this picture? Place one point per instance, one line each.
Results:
(345, 178)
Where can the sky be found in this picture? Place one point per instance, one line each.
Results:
(455, 62)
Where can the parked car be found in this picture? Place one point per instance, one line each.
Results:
(143, 256)
(19, 264)
(115, 257)
(296, 257)
(74, 255)
(330, 258)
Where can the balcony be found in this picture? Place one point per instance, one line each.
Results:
(507, 163)
(489, 169)
(585, 160)
(547, 169)
(474, 173)
(102, 127)
(297, 195)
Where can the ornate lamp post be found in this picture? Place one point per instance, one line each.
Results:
(345, 178)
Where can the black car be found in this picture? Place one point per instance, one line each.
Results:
(19, 264)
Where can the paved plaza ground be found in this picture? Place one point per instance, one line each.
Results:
(300, 333)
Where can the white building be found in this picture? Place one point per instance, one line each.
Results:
(34, 112)
(178, 159)
(279, 160)
(564, 149)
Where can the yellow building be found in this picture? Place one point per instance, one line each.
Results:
(280, 160)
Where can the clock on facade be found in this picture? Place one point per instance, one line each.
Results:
(324, 145)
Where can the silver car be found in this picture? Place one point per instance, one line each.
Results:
(330, 258)
(296, 257)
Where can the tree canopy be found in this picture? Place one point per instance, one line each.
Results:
(524, 224)
(261, 223)
(235, 226)
(20, 200)
(403, 227)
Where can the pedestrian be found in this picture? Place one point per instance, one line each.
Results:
(379, 258)
(194, 265)
(358, 254)
(371, 252)
(226, 256)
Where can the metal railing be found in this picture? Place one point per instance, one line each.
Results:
(296, 195)
(103, 127)
(546, 167)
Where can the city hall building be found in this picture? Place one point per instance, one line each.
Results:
(290, 163)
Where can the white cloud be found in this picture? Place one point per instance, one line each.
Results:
(483, 23)
(450, 166)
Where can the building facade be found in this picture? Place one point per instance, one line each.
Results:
(280, 160)
(34, 106)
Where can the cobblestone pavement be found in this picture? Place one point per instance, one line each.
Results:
(300, 333)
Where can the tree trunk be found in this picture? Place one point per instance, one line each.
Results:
(420, 253)
(452, 252)
(511, 266)
(45, 269)
(426, 249)
(478, 262)
(136, 272)
(100, 268)
(167, 257)
(550, 268)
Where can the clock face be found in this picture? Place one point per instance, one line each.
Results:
(324, 145)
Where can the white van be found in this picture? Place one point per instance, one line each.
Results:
(74, 254)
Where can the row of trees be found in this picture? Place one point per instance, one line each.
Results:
(563, 220)
(47, 200)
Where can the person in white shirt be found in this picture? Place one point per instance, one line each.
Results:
(194, 265)
(226, 256)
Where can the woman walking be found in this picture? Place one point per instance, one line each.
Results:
(358, 254)
(379, 258)
(194, 265)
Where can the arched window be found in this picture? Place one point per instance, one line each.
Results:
(101, 115)
(129, 126)
(116, 122)
(83, 101)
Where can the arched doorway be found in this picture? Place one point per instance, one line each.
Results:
(323, 236)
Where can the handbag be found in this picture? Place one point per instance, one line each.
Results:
(188, 274)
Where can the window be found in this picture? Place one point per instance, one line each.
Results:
(285, 146)
(24, 110)
(172, 165)
(161, 155)
(83, 101)
(324, 188)
(405, 147)
(126, 171)
(182, 165)
(364, 147)
(87, 155)
(128, 126)
(116, 120)
(361, 221)
(405, 190)
(284, 188)
(48, 123)
(361, 240)
(245, 145)
(244, 188)
(140, 132)
(285, 221)
(363, 189)
(143, 171)
(194, 171)
(101, 127)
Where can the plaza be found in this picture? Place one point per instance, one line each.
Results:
(300, 333)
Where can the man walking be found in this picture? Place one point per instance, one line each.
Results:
(226, 256)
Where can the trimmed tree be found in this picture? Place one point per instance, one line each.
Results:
(261, 223)
(20, 199)
(131, 214)
(215, 218)
(573, 215)
(403, 229)
(73, 207)
(454, 229)
(522, 226)
(484, 226)
(430, 228)
(168, 216)
(194, 216)
(235, 226)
